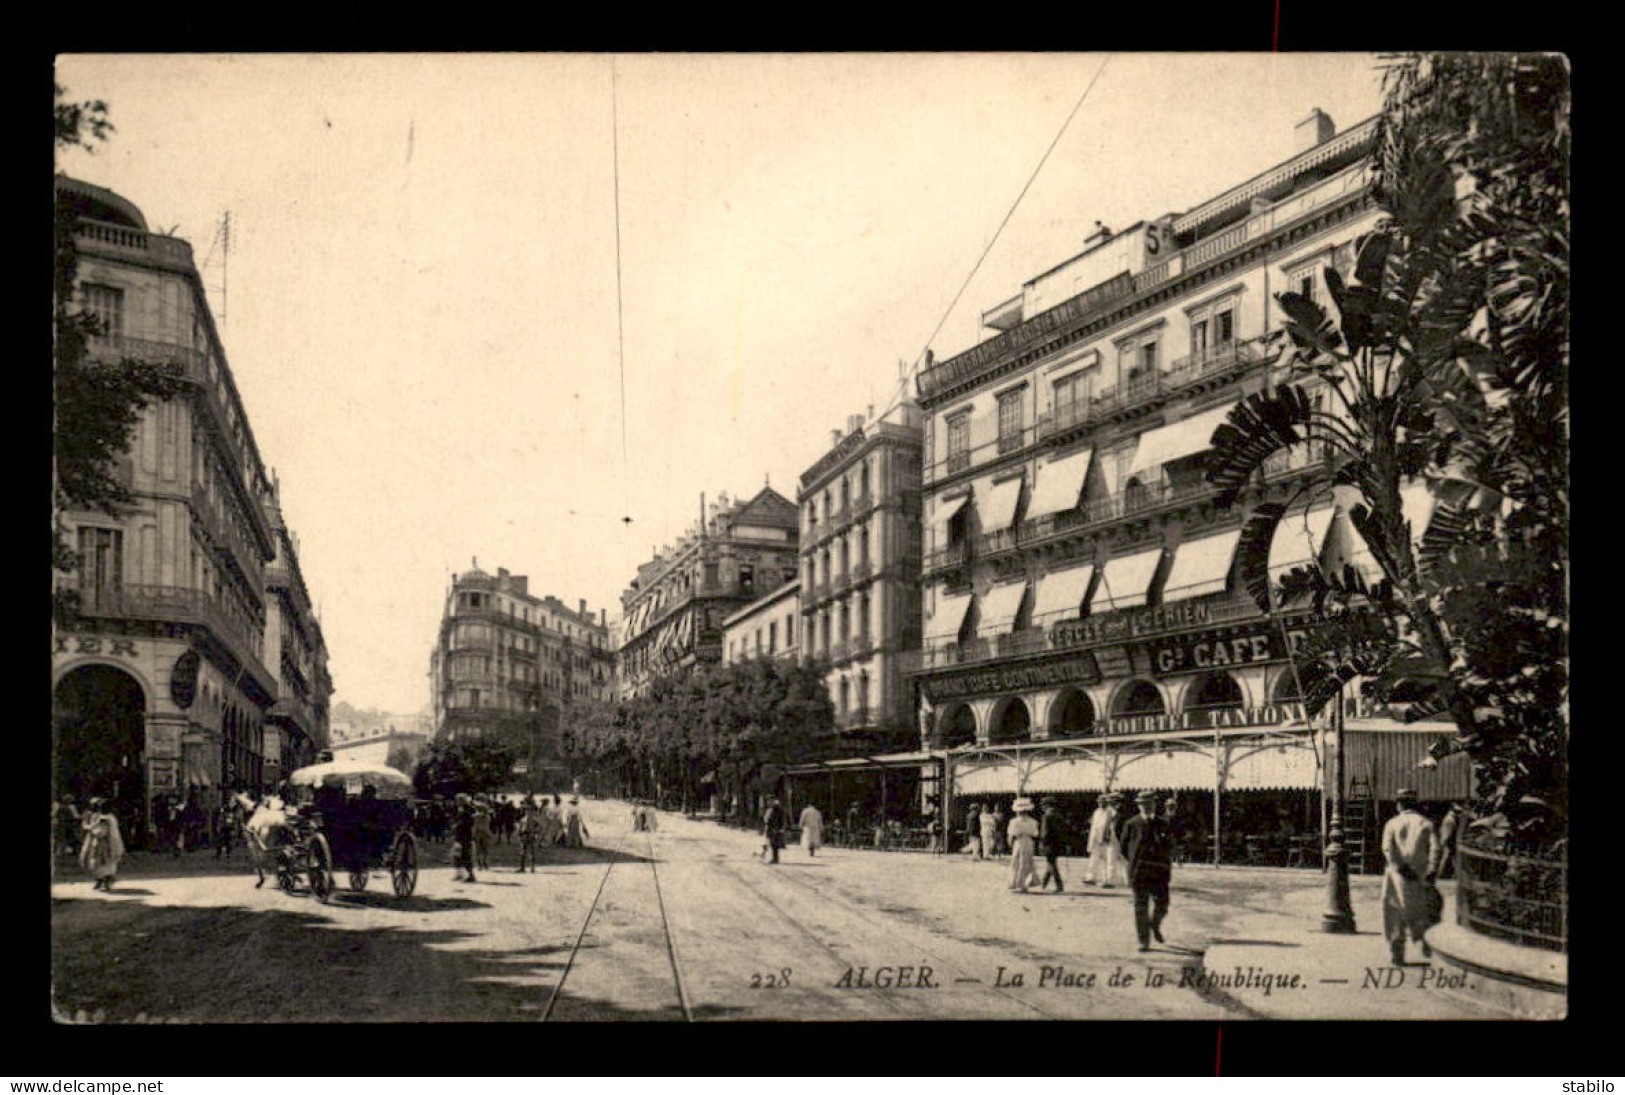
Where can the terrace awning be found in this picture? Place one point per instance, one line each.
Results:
(999, 509)
(1059, 485)
(1299, 538)
(1201, 566)
(1061, 592)
(1000, 607)
(1177, 440)
(946, 511)
(945, 622)
(1126, 580)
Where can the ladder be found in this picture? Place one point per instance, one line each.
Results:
(1357, 823)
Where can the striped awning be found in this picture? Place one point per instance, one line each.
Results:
(1299, 538)
(1059, 485)
(986, 779)
(1163, 770)
(1284, 764)
(1126, 580)
(947, 510)
(1072, 774)
(1201, 566)
(1177, 440)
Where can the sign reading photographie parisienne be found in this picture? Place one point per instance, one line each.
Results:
(1080, 669)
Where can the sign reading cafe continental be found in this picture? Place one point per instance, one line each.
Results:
(1080, 669)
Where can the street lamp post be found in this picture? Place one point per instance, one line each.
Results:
(1338, 919)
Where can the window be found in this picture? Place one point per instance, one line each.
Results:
(101, 563)
(710, 575)
(1224, 327)
(863, 546)
(789, 631)
(107, 305)
(1010, 425)
(747, 578)
(772, 637)
(1148, 358)
(1199, 338)
(959, 442)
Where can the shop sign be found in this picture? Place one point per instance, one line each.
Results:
(164, 740)
(93, 644)
(1196, 653)
(1076, 670)
(183, 680)
(1131, 623)
(1268, 714)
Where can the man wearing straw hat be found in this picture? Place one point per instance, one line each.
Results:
(1148, 847)
(1408, 842)
(1023, 832)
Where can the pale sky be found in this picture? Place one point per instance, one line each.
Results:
(420, 300)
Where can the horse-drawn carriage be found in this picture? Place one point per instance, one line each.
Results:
(346, 817)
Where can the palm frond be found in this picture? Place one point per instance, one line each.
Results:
(1258, 427)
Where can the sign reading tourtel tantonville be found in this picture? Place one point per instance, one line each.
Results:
(809, 537)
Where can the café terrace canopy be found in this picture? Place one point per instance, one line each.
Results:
(1299, 538)
(999, 509)
(1201, 566)
(1126, 580)
(945, 622)
(1059, 485)
(1061, 592)
(1177, 440)
(1000, 607)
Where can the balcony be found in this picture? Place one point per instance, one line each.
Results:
(857, 718)
(1213, 361)
(992, 543)
(862, 504)
(954, 555)
(957, 461)
(861, 572)
(840, 651)
(1064, 417)
(180, 604)
(863, 646)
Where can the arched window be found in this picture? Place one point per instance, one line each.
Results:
(1011, 721)
(1138, 698)
(1072, 714)
(1214, 692)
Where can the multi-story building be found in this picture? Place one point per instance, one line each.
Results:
(381, 744)
(765, 628)
(297, 725)
(860, 572)
(1083, 631)
(672, 615)
(166, 683)
(510, 663)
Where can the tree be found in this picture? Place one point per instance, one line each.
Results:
(466, 765)
(1447, 361)
(98, 403)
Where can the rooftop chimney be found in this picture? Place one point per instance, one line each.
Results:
(834, 438)
(583, 612)
(854, 423)
(1315, 129)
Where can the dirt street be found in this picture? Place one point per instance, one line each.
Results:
(686, 923)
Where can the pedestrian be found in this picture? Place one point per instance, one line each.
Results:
(231, 824)
(103, 846)
(1176, 831)
(1023, 833)
(528, 828)
(575, 828)
(462, 839)
(812, 829)
(192, 819)
(637, 817)
(651, 818)
(555, 817)
(773, 821)
(1449, 826)
(1408, 896)
(1149, 849)
(854, 822)
(987, 822)
(483, 834)
(1000, 844)
(1051, 833)
(1102, 847)
(973, 830)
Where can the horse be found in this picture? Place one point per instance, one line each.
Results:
(268, 829)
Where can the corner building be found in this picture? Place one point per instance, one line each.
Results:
(1083, 629)
(674, 612)
(860, 572)
(196, 663)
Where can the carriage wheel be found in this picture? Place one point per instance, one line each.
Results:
(319, 867)
(358, 880)
(403, 866)
(284, 871)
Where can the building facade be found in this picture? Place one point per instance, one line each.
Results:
(1083, 629)
(672, 616)
(860, 573)
(381, 744)
(512, 664)
(765, 628)
(168, 682)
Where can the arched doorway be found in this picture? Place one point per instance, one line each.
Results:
(99, 740)
(956, 726)
(1072, 715)
(1138, 698)
(1214, 692)
(1011, 721)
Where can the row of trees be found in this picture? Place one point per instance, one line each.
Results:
(1448, 360)
(730, 728)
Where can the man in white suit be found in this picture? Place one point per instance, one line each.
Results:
(1409, 845)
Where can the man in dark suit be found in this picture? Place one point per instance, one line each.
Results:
(1051, 833)
(1148, 848)
(773, 820)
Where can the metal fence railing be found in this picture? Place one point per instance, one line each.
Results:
(1520, 898)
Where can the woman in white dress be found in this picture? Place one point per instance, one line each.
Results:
(103, 847)
(812, 829)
